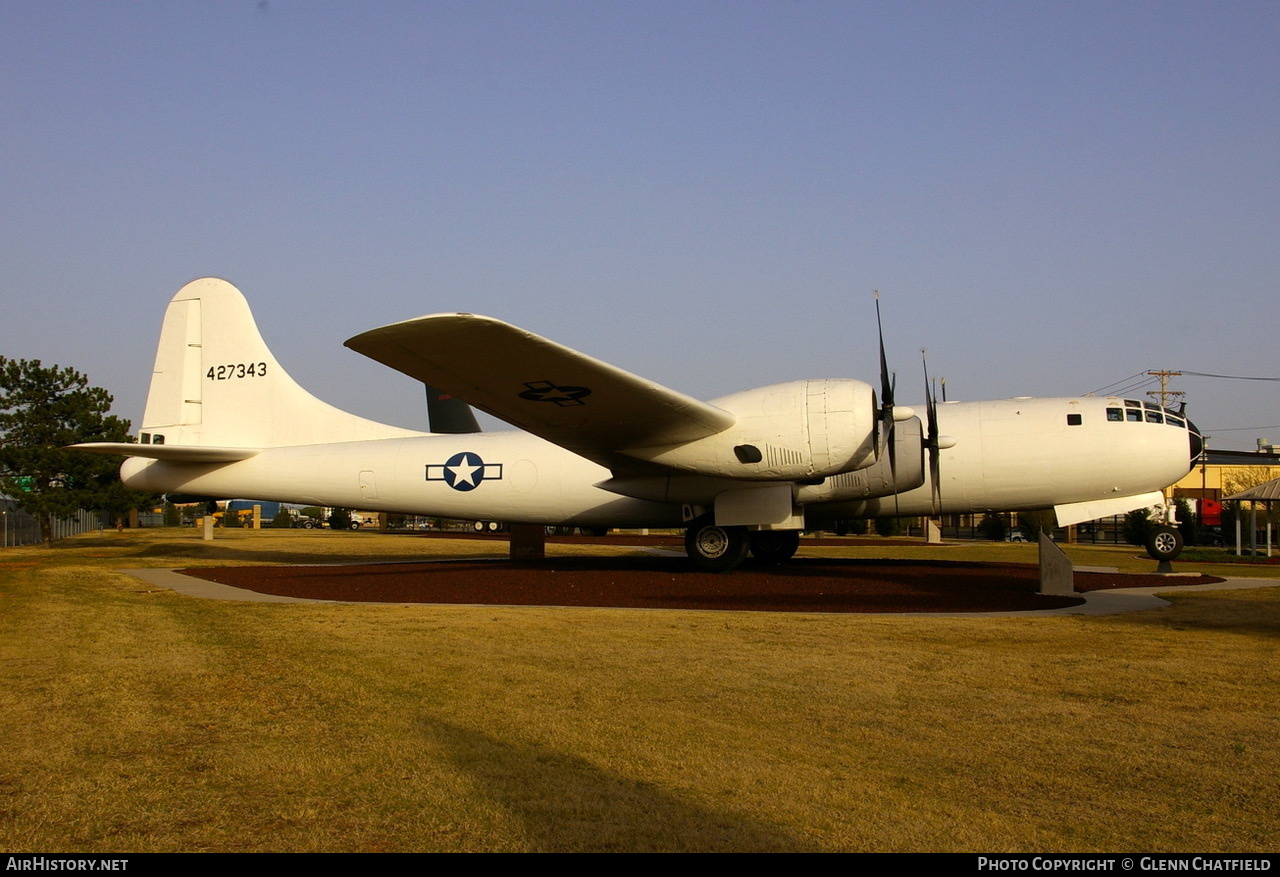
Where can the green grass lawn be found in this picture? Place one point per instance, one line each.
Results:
(134, 719)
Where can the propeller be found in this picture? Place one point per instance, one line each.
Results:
(889, 412)
(886, 399)
(931, 439)
(935, 442)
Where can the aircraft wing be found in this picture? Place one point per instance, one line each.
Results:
(573, 400)
(174, 453)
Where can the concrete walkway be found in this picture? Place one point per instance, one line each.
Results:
(1129, 599)
(194, 587)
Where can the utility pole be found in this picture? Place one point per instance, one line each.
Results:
(1164, 393)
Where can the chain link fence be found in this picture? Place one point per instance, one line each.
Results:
(19, 528)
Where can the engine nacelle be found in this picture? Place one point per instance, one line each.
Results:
(880, 478)
(785, 432)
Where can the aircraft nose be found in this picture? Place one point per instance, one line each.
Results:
(1197, 442)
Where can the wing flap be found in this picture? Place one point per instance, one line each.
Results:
(566, 397)
(174, 453)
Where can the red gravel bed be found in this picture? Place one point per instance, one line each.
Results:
(803, 585)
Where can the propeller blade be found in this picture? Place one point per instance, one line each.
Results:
(888, 381)
(931, 440)
(887, 384)
(886, 388)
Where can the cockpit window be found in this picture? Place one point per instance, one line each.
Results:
(1131, 414)
(1155, 417)
(1115, 414)
(1129, 403)
(1173, 421)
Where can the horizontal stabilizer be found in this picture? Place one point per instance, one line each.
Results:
(173, 453)
(566, 397)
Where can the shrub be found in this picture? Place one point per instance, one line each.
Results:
(994, 526)
(888, 527)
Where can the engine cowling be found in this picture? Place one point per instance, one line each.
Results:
(796, 431)
(881, 478)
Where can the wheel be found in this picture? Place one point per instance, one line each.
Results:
(595, 531)
(493, 526)
(712, 548)
(774, 546)
(309, 525)
(478, 526)
(354, 525)
(1164, 543)
(563, 530)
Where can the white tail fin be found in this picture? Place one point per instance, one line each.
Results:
(215, 383)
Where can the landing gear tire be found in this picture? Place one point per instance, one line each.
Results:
(1164, 543)
(715, 549)
(493, 526)
(478, 526)
(774, 546)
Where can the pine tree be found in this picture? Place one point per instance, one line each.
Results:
(42, 410)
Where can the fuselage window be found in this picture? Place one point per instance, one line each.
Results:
(146, 438)
(1155, 417)
(157, 440)
(1115, 414)
(1075, 419)
(1132, 414)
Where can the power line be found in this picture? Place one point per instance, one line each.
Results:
(1229, 377)
(1101, 390)
(1164, 393)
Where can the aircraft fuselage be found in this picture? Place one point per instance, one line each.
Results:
(1009, 454)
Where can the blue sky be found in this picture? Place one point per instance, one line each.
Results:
(1050, 197)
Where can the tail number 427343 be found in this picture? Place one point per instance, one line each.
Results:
(236, 370)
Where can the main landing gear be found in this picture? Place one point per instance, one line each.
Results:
(712, 548)
(719, 549)
(774, 546)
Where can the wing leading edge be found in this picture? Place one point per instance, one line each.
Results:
(573, 400)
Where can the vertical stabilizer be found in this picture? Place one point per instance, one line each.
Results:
(215, 383)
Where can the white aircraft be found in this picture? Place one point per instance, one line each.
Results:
(601, 447)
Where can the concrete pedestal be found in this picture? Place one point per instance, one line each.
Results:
(1056, 571)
